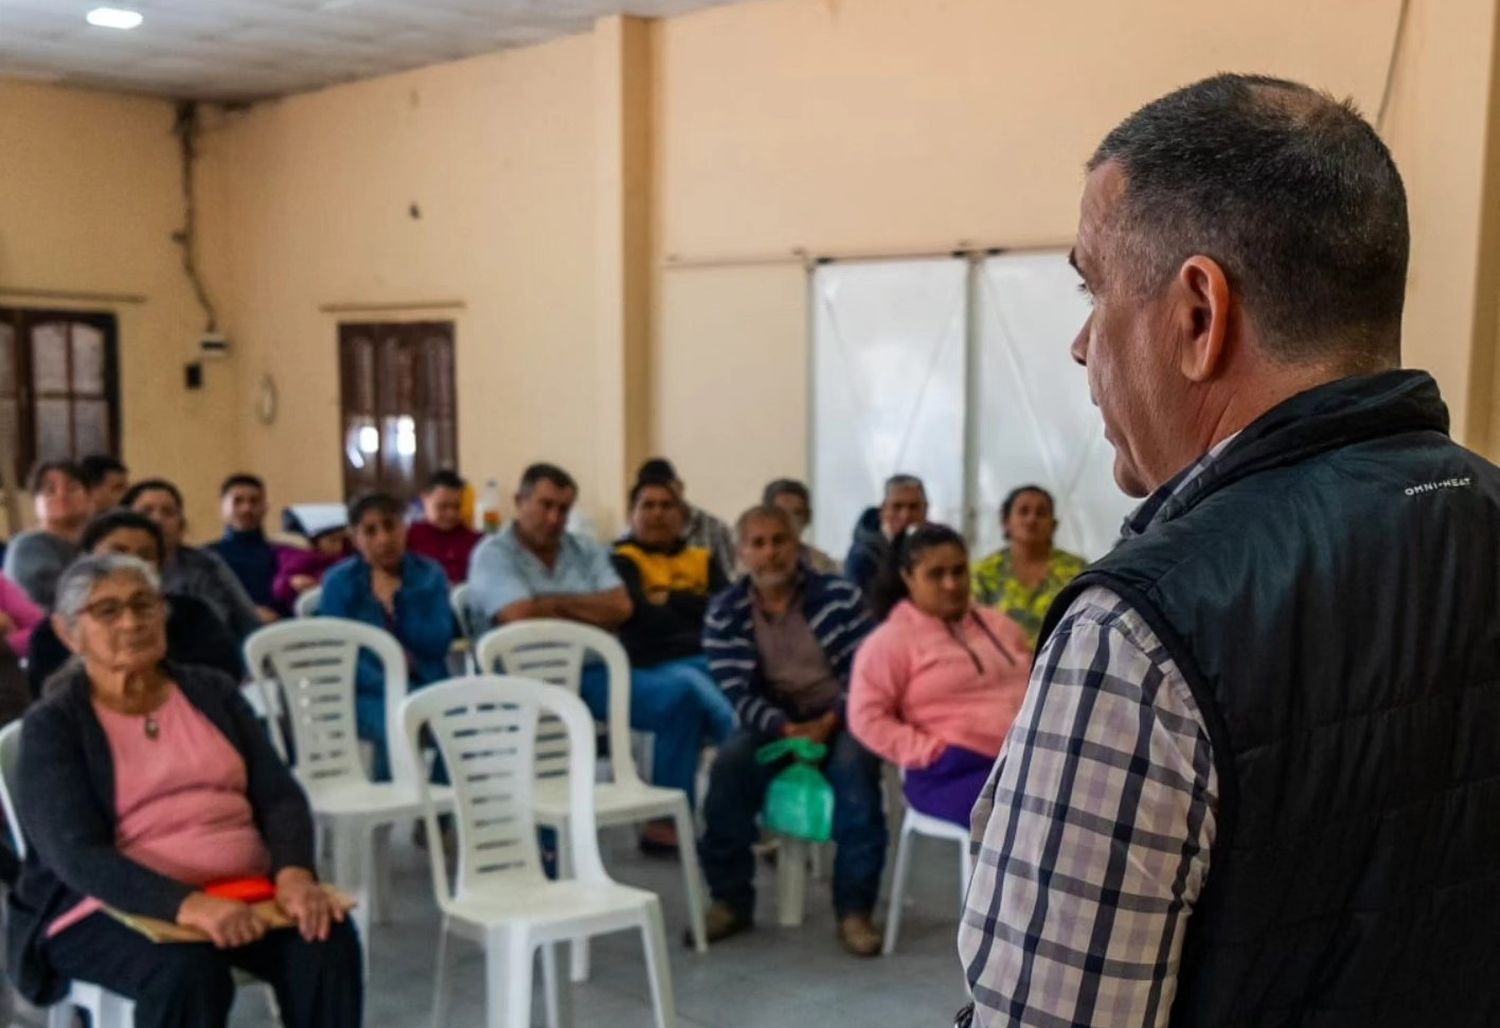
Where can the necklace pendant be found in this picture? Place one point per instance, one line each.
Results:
(151, 726)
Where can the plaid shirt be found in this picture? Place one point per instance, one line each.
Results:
(1092, 835)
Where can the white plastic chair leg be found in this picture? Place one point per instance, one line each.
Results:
(817, 861)
(692, 875)
(440, 979)
(116, 1012)
(351, 865)
(380, 888)
(60, 1015)
(658, 966)
(558, 994)
(507, 966)
(898, 889)
(579, 950)
(791, 882)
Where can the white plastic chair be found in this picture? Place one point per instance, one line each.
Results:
(491, 732)
(458, 601)
(917, 823)
(314, 660)
(554, 651)
(105, 1009)
(306, 603)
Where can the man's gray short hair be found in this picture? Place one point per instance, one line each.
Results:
(77, 582)
(904, 481)
(759, 512)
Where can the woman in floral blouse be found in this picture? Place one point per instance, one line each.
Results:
(1023, 579)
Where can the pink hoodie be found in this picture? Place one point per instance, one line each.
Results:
(921, 684)
(24, 615)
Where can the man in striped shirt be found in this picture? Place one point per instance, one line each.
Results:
(781, 644)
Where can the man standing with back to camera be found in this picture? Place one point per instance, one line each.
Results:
(1256, 780)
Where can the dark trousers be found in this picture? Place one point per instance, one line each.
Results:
(736, 791)
(188, 985)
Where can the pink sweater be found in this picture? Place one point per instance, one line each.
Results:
(180, 802)
(24, 615)
(921, 684)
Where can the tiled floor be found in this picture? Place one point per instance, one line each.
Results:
(771, 978)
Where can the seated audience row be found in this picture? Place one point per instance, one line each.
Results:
(782, 652)
(194, 634)
(535, 568)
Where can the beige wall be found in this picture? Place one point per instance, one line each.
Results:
(89, 197)
(497, 153)
(883, 126)
(556, 182)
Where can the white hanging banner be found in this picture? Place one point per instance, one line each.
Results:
(888, 388)
(1037, 424)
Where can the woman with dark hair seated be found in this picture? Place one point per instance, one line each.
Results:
(937, 685)
(1022, 580)
(149, 788)
(194, 634)
(190, 570)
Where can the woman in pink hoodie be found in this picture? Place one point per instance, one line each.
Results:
(18, 616)
(937, 685)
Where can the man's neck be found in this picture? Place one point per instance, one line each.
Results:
(546, 553)
(69, 530)
(776, 599)
(244, 533)
(1242, 407)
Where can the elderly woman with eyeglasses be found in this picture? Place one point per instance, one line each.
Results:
(145, 787)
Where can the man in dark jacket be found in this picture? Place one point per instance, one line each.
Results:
(904, 505)
(1255, 780)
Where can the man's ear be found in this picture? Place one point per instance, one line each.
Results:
(1202, 314)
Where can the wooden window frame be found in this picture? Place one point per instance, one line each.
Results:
(23, 321)
(382, 390)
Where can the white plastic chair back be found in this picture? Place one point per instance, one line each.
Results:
(10, 784)
(306, 603)
(485, 727)
(458, 599)
(314, 661)
(554, 651)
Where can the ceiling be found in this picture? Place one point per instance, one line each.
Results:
(251, 49)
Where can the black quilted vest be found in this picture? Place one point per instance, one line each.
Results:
(1330, 587)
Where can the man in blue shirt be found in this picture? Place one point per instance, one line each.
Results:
(535, 568)
(400, 592)
(244, 546)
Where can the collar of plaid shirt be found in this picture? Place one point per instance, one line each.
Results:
(1178, 487)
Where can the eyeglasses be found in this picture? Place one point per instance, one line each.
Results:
(144, 606)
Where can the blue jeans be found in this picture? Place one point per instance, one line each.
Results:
(737, 790)
(668, 702)
(369, 719)
(693, 670)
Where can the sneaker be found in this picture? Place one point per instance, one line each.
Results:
(859, 936)
(720, 922)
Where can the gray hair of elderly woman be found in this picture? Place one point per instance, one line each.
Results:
(77, 582)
